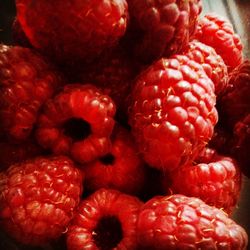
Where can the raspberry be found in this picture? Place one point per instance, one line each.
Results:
(180, 222)
(120, 169)
(13, 153)
(173, 112)
(241, 144)
(77, 122)
(216, 180)
(218, 33)
(211, 62)
(105, 220)
(38, 198)
(72, 31)
(235, 103)
(19, 36)
(26, 82)
(166, 26)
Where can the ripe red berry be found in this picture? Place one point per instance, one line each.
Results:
(77, 122)
(19, 36)
(211, 62)
(180, 222)
(165, 26)
(105, 220)
(215, 179)
(38, 198)
(27, 80)
(121, 168)
(217, 32)
(73, 30)
(173, 112)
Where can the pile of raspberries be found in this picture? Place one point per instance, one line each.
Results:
(124, 125)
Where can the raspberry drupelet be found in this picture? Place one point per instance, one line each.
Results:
(105, 220)
(38, 198)
(180, 222)
(173, 112)
(121, 168)
(27, 80)
(77, 122)
(74, 30)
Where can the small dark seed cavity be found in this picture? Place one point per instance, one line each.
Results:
(108, 159)
(108, 233)
(77, 129)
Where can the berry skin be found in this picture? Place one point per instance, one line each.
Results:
(241, 144)
(73, 30)
(217, 32)
(235, 103)
(77, 122)
(211, 62)
(173, 112)
(166, 26)
(105, 220)
(120, 169)
(180, 222)
(216, 180)
(26, 82)
(38, 198)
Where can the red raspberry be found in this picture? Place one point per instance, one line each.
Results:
(14, 153)
(173, 112)
(120, 169)
(74, 30)
(26, 82)
(38, 198)
(211, 62)
(77, 122)
(235, 103)
(180, 222)
(241, 144)
(218, 33)
(19, 36)
(105, 220)
(166, 25)
(217, 181)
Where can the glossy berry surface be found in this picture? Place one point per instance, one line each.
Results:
(38, 198)
(77, 122)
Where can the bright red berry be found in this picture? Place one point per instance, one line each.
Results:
(73, 30)
(27, 80)
(173, 112)
(165, 26)
(211, 62)
(217, 32)
(180, 222)
(77, 122)
(38, 198)
(105, 220)
(215, 179)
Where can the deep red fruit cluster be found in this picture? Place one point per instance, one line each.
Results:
(119, 98)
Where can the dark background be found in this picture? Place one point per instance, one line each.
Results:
(237, 11)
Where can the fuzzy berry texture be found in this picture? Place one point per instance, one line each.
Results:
(105, 220)
(211, 62)
(216, 180)
(121, 168)
(173, 112)
(77, 122)
(217, 32)
(241, 144)
(27, 80)
(235, 103)
(165, 26)
(72, 31)
(180, 222)
(38, 198)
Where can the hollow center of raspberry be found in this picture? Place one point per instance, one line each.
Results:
(108, 159)
(108, 233)
(76, 128)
